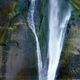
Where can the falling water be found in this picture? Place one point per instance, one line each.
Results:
(32, 27)
(56, 36)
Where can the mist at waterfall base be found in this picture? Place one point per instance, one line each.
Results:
(58, 17)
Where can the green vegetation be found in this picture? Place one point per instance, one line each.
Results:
(9, 12)
(76, 4)
(8, 8)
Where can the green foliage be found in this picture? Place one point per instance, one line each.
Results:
(20, 6)
(8, 8)
(76, 4)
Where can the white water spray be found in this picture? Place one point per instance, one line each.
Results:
(56, 37)
(32, 27)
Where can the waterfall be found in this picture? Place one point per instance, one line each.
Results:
(32, 27)
(56, 36)
(57, 29)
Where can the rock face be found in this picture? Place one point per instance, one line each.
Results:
(22, 55)
(18, 59)
(17, 51)
(70, 59)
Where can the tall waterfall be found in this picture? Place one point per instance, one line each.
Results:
(32, 27)
(56, 36)
(57, 28)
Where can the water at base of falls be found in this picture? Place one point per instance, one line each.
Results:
(56, 37)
